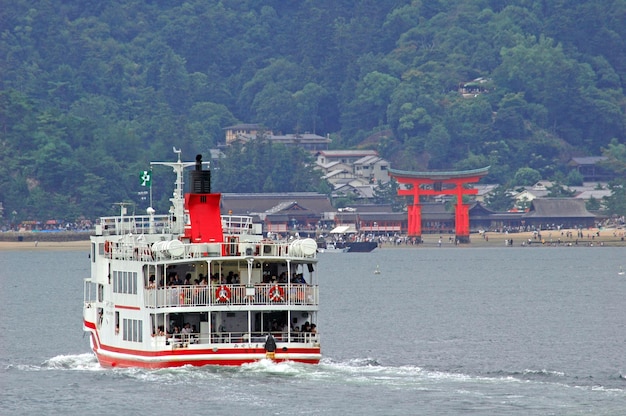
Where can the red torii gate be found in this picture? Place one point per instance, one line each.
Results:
(438, 183)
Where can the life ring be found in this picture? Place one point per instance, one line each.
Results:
(107, 246)
(222, 293)
(276, 294)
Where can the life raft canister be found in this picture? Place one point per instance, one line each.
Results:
(276, 294)
(222, 294)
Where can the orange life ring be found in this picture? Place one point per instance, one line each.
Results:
(222, 293)
(276, 294)
(107, 246)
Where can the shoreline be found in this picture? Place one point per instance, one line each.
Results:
(44, 245)
(610, 237)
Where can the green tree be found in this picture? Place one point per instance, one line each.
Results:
(616, 203)
(593, 204)
(574, 178)
(387, 193)
(500, 199)
(557, 190)
(526, 177)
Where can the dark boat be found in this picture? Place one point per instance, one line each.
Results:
(358, 246)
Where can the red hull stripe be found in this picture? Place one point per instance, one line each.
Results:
(106, 361)
(133, 308)
(113, 356)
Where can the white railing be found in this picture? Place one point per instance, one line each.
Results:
(161, 224)
(140, 224)
(181, 340)
(132, 251)
(236, 224)
(215, 295)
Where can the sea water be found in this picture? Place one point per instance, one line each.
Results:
(445, 331)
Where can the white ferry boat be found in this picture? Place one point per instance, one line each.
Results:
(194, 287)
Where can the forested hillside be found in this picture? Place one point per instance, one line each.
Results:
(92, 90)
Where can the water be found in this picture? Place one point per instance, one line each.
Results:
(446, 331)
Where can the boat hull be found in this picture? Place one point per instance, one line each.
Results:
(215, 354)
(361, 246)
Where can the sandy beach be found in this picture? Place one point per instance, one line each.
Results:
(44, 245)
(549, 238)
(607, 237)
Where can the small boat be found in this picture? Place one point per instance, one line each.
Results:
(194, 287)
(377, 270)
(332, 248)
(358, 246)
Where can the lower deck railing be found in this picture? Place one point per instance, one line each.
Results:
(185, 340)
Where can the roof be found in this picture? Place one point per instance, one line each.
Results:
(558, 208)
(594, 193)
(586, 160)
(246, 204)
(302, 136)
(368, 160)
(342, 229)
(244, 126)
(352, 153)
(440, 174)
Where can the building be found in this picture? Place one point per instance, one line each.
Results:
(247, 132)
(281, 212)
(590, 168)
(546, 213)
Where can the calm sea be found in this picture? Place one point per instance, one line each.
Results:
(440, 331)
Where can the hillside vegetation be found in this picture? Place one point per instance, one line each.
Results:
(91, 90)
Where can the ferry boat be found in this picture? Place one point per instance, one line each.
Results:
(194, 287)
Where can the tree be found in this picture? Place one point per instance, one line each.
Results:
(557, 190)
(500, 199)
(616, 202)
(387, 193)
(526, 177)
(615, 152)
(574, 178)
(593, 204)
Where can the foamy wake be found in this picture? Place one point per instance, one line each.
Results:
(84, 362)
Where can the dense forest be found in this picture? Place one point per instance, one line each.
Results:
(91, 90)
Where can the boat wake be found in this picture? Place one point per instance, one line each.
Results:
(85, 362)
(365, 371)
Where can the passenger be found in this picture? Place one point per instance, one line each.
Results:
(152, 282)
(313, 328)
(177, 280)
(187, 281)
(171, 279)
(296, 333)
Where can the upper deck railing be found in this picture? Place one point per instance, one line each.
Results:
(214, 295)
(195, 251)
(162, 224)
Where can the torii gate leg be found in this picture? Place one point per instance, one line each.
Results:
(461, 220)
(415, 221)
